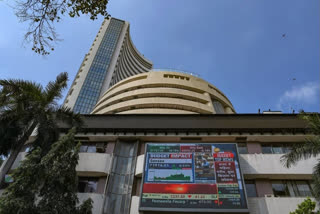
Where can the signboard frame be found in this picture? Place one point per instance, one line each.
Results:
(198, 210)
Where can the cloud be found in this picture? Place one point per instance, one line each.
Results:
(298, 97)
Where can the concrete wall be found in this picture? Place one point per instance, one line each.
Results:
(93, 164)
(273, 205)
(134, 209)
(269, 166)
(139, 166)
(90, 164)
(162, 91)
(97, 199)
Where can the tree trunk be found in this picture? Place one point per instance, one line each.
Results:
(15, 152)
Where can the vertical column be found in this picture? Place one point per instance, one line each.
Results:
(254, 148)
(210, 102)
(263, 187)
(101, 185)
(110, 147)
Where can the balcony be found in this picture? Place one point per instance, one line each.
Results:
(93, 164)
(90, 164)
(273, 205)
(97, 200)
(269, 166)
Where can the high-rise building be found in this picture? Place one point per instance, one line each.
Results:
(170, 142)
(111, 58)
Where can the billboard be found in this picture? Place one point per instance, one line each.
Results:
(193, 177)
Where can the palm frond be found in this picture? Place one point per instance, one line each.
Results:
(47, 132)
(65, 114)
(314, 123)
(316, 180)
(313, 120)
(305, 150)
(19, 95)
(53, 90)
(18, 87)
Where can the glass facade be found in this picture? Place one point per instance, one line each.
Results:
(251, 188)
(275, 148)
(121, 178)
(242, 148)
(88, 148)
(91, 88)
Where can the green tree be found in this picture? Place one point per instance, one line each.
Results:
(42, 15)
(20, 196)
(308, 149)
(306, 207)
(46, 185)
(25, 105)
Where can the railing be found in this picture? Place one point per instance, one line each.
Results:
(176, 70)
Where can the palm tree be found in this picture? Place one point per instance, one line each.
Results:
(308, 149)
(25, 107)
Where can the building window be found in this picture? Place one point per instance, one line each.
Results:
(218, 107)
(242, 148)
(87, 184)
(291, 188)
(303, 188)
(251, 188)
(93, 147)
(280, 189)
(275, 148)
(266, 149)
(88, 148)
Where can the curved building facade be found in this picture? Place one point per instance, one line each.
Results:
(130, 61)
(163, 92)
(111, 58)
